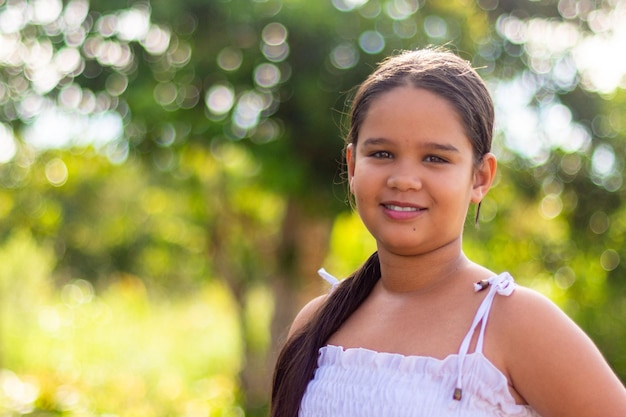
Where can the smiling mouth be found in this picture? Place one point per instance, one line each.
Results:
(402, 208)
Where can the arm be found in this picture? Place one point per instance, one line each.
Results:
(553, 364)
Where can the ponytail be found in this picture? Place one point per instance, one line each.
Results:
(297, 360)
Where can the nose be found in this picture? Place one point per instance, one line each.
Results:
(404, 177)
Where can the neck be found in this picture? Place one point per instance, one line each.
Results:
(423, 272)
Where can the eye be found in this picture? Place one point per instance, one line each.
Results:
(381, 155)
(435, 159)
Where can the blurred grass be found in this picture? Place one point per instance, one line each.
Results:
(71, 351)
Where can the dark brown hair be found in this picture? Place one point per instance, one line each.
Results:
(453, 79)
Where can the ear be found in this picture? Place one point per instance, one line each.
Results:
(483, 177)
(350, 162)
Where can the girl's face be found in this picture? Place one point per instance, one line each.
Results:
(412, 172)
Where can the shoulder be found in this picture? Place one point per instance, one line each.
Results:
(526, 309)
(306, 313)
(526, 314)
(527, 322)
(550, 361)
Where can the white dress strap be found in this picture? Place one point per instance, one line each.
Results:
(502, 284)
(328, 278)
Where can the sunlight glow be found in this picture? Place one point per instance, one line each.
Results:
(220, 99)
(348, 5)
(14, 17)
(133, 24)
(8, 148)
(344, 56)
(54, 128)
(371, 42)
(595, 56)
(534, 131)
(560, 56)
(157, 40)
(19, 395)
(603, 160)
(602, 67)
(401, 9)
(75, 13)
(266, 75)
(230, 59)
(56, 172)
(79, 117)
(46, 11)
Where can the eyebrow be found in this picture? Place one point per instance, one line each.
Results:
(375, 141)
(446, 147)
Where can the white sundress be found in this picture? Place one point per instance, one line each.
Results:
(359, 382)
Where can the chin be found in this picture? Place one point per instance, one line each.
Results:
(415, 249)
(404, 250)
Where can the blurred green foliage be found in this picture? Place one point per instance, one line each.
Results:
(76, 351)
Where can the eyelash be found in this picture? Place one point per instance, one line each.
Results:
(381, 155)
(389, 155)
(435, 159)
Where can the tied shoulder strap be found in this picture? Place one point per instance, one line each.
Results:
(502, 284)
(328, 278)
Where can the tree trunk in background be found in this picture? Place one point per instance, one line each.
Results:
(303, 249)
(300, 253)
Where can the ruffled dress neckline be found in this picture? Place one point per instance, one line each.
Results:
(351, 382)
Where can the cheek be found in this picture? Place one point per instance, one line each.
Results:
(359, 190)
(454, 191)
(356, 181)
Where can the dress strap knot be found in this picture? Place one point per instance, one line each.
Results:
(504, 284)
(333, 281)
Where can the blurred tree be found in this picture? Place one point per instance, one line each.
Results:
(259, 87)
(566, 148)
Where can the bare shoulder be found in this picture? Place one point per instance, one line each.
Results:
(550, 361)
(306, 313)
(527, 308)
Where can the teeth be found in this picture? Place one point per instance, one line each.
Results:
(398, 208)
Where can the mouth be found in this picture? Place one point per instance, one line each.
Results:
(404, 209)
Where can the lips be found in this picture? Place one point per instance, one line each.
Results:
(402, 211)
(395, 207)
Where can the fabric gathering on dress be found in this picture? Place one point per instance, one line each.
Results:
(359, 382)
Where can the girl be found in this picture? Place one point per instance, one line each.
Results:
(419, 329)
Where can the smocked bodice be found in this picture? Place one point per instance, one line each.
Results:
(360, 382)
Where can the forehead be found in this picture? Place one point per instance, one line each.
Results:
(413, 113)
